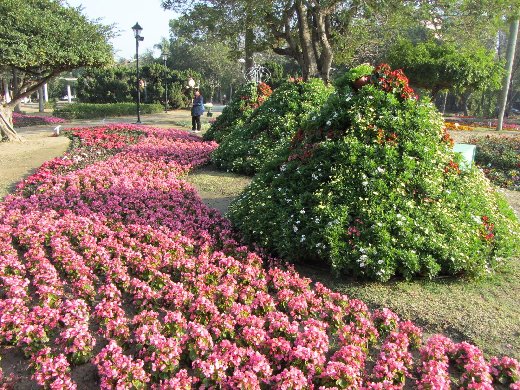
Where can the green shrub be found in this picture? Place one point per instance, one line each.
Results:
(270, 127)
(499, 158)
(372, 187)
(245, 100)
(92, 110)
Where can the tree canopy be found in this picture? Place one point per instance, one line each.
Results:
(435, 66)
(39, 39)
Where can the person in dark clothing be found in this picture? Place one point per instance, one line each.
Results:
(196, 111)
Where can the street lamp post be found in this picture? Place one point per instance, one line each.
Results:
(137, 33)
(165, 57)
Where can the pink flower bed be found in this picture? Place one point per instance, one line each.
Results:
(120, 264)
(22, 120)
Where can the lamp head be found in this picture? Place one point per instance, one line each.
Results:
(137, 30)
(164, 56)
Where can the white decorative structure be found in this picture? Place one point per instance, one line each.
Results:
(7, 95)
(257, 73)
(69, 93)
(56, 131)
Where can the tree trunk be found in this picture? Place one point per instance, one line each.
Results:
(325, 61)
(7, 131)
(465, 100)
(249, 43)
(41, 103)
(16, 90)
(310, 67)
(511, 46)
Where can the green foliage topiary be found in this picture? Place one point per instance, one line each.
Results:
(270, 128)
(371, 187)
(245, 100)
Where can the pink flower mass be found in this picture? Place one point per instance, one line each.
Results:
(118, 263)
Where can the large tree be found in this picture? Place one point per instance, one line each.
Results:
(237, 23)
(300, 29)
(435, 65)
(40, 39)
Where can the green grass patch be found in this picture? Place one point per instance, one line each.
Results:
(91, 110)
(217, 189)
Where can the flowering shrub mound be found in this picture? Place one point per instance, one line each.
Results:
(121, 266)
(499, 158)
(244, 102)
(270, 128)
(22, 120)
(371, 186)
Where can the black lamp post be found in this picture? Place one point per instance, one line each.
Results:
(165, 57)
(137, 33)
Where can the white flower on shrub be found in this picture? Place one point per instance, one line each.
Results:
(362, 260)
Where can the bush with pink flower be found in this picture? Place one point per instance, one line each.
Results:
(24, 120)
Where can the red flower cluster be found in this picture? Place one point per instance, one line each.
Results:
(392, 81)
(263, 93)
(107, 137)
(452, 167)
(487, 231)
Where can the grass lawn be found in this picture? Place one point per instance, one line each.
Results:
(483, 312)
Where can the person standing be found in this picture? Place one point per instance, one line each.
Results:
(196, 111)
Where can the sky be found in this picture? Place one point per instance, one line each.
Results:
(124, 14)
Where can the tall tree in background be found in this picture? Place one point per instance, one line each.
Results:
(511, 47)
(235, 23)
(194, 47)
(303, 30)
(41, 39)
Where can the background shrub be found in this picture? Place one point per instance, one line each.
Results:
(245, 100)
(372, 188)
(117, 84)
(499, 158)
(250, 144)
(92, 110)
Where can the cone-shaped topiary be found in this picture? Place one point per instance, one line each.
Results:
(244, 102)
(269, 129)
(372, 187)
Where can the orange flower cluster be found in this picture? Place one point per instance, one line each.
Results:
(452, 167)
(458, 127)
